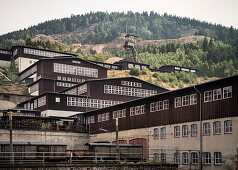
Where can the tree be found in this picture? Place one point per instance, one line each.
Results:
(205, 44)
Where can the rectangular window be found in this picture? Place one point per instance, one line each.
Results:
(194, 157)
(208, 159)
(206, 128)
(194, 129)
(163, 133)
(185, 130)
(132, 111)
(217, 158)
(107, 116)
(156, 157)
(177, 131)
(217, 94)
(193, 99)
(156, 133)
(227, 92)
(166, 104)
(228, 126)
(185, 100)
(119, 113)
(123, 112)
(152, 107)
(208, 96)
(163, 157)
(217, 128)
(142, 109)
(99, 118)
(159, 105)
(177, 102)
(185, 158)
(114, 114)
(103, 117)
(177, 158)
(137, 112)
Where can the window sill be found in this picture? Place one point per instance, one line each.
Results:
(227, 133)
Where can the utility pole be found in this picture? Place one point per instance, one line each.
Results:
(117, 148)
(10, 128)
(200, 117)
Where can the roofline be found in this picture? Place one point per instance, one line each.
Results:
(167, 92)
(178, 66)
(58, 58)
(42, 49)
(130, 62)
(17, 94)
(105, 79)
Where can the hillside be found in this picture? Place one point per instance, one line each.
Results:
(101, 28)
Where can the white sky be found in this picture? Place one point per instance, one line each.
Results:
(20, 14)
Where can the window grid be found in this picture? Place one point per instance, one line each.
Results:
(217, 128)
(185, 130)
(194, 129)
(217, 158)
(208, 159)
(217, 94)
(152, 107)
(185, 100)
(159, 105)
(208, 96)
(163, 132)
(177, 158)
(193, 99)
(228, 126)
(156, 133)
(166, 104)
(132, 111)
(227, 92)
(206, 128)
(194, 156)
(177, 131)
(142, 109)
(177, 102)
(185, 158)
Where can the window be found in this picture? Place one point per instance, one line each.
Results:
(107, 116)
(228, 126)
(185, 130)
(208, 159)
(114, 114)
(123, 112)
(159, 105)
(166, 104)
(208, 96)
(156, 133)
(176, 131)
(103, 117)
(119, 113)
(194, 129)
(177, 158)
(177, 101)
(217, 128)
(217, 158)
(57, 100)
(194, 157)
(142, 109)
(99, 118)
(152, 107)
(185, 100)
(193, 99)
(185, 158)
(156, 157)
(217, 94)
(137, 112)
(227, 92)
(163, 157)
(206, 128)
(163, 133)
(132, 111)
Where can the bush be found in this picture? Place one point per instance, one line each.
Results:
(145, 71)
(180, 85)
(172, 85)
(135, 71)
(156, 75)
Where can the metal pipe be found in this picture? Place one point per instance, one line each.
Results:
(200, 117)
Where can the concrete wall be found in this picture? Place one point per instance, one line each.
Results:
(227, 144)
(5, 63)
(60, 113)
(74, 141)
(23, 63)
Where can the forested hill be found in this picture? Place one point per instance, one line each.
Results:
(101, 27)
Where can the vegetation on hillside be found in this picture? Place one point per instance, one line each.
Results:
(147, 26)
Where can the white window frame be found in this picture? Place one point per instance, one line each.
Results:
(156, 133)
(208, 158)
(177, 131)
(185, 158)
(227, 126)
(177, 102)
(185, 100)
(217, 128)
(194, 129)
(159, 105)
(132, 111)
(114, 113)
(166, 104)
(227, 92)
(185, 130)
(217, 94)
(163, 132)
(123, 113)
(206, 128)
(177, 158)
(142, 109)
(217, 158)
(152, 107)
(208, 96)
(163, 157)
(193, 99)
(194, 156)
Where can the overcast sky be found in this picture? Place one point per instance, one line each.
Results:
(20, 14)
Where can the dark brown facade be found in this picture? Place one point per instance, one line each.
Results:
(171, 68)
(126, 65)
(223, 107)
(107, 65)
(5, 55)
(44, 68)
